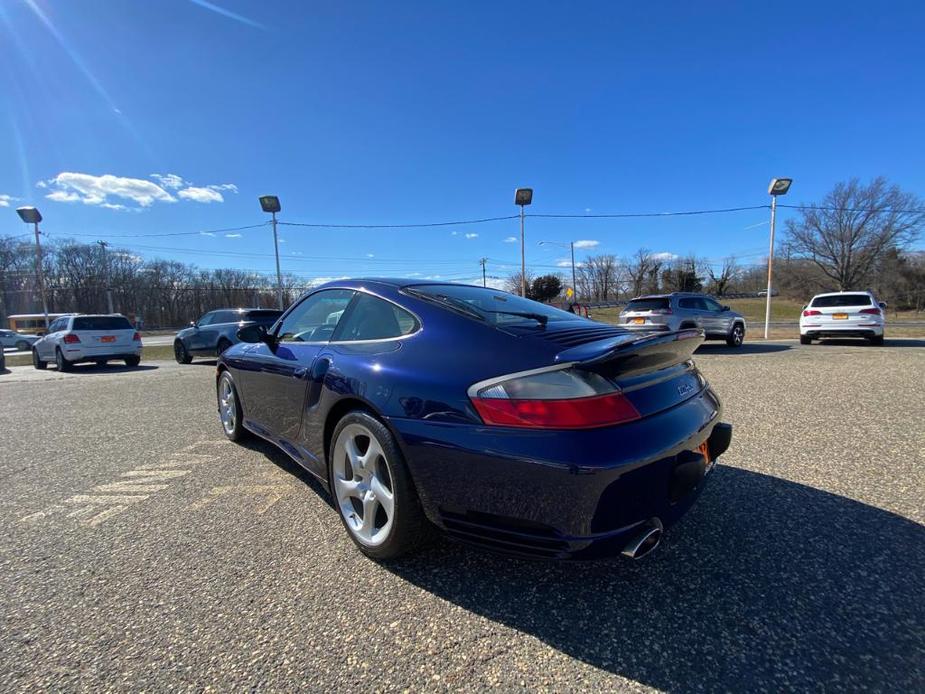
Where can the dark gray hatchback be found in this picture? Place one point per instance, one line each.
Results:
(217, 330)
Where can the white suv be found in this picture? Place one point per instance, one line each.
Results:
(78, 338)
(843, 314)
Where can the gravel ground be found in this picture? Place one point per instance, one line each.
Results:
(138, 550)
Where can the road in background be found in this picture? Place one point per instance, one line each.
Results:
(139, 550)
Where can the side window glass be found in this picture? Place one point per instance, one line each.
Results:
(206, 319)
(686, 303)
(315, 319)
(712, 305)
(371, 318)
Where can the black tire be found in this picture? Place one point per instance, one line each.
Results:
(236, 431)
(737, 336)
(223, 344)
(180, 353)
(62, 363)
(876, 341)
(410, 528)
(22, 346)
(36, 362)
(806, 340)
(132, 361)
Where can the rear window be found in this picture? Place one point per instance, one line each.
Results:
(647, 304)
(101, 323)
(263, 315)
(490, 305)
(842, 300)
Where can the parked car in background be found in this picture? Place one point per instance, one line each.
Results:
(217, 330)
(843, 314)
(18, 341)
(677, 311)
(82, 338)
(509, 424)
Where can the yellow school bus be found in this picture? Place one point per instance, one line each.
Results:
(31, 323)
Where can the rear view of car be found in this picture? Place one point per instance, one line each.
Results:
(843, 314)
(101, 338)
(648, 313)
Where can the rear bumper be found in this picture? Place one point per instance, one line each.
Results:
(853, 329)
(646, 328)
(79, 353)
(562, 495)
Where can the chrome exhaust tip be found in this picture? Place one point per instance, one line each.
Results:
(645, 540)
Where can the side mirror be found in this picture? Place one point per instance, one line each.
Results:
(253, 334)
(193, 324)
(882, 304)
(726, 308)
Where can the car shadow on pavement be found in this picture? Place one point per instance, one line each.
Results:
(111, 368)
(888, 342)
(744, 348)
(765, 585)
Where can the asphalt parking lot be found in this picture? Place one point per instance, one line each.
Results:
(139, 550)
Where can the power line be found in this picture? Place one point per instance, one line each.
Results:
(824, 208)
(625, 215)
(204, 232)
(402, 226)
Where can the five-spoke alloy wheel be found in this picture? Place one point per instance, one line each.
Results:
(372, 489)
(229, 409)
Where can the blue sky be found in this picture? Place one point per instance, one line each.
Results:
(377, 113)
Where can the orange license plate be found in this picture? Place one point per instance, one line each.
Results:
(839, 316)
(638, 321)
(108, 338)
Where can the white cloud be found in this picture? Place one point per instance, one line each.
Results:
(511, 239)
(225, 186)
(206, 233)
(232, 236)
(203, 195)
(664, 255)
(587, 209)
(454, 233)
(587, 243)
(68, 186)
(171, 181)
(370, 255)
(472, 236)
(5, 200)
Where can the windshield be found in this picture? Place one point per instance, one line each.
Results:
(101, 323)
(841, 300)
(490, 305)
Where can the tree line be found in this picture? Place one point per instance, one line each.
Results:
(857, 237)
(164, 293)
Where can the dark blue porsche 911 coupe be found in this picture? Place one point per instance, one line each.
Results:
(506, 423)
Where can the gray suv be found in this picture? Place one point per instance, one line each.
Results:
(217, 330)
(665, 312)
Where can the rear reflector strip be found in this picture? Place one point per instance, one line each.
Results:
(577, 413)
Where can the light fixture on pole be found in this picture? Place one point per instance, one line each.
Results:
(779, 186)
(31, 215)
(270, 203)
(523, 197)
(571, 246)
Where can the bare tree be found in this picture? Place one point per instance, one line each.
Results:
(599, 277)
(638, 270)
(720, 282)
(849, 232)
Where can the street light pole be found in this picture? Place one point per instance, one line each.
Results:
(108, 271)
(779, 186)
(270, 203)
(523, 197)
(482, 263)
(31, 215)
(279, 276)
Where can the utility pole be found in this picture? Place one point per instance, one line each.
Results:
(279, 277)
(482, 263)
(108, 272)
(523, 197)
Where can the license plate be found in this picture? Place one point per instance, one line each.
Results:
(108, 338)
(637, 321)
(839, 316)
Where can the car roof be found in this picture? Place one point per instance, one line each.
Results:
(668, 296)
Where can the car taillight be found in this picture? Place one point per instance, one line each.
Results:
(661, 311)
(71, 339)
(812, 313)
(136, 337)
(870, 311)
(561, 398)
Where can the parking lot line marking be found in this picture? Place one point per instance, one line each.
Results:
(155, 474)
(104, 500)
(108, 513)
(182, 459)
(271, 493)
(129, 487)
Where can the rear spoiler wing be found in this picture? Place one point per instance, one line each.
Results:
(642, 355)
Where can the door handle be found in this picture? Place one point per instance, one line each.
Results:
(299, 373)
